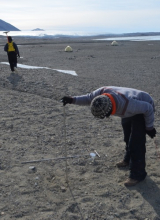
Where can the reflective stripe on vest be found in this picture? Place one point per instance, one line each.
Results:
(11, 47)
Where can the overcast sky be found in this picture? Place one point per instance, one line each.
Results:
(110, 16)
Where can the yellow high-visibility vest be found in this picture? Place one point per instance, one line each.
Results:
(11, 47)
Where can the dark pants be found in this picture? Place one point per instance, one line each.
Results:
(135, 138)
(12, 58)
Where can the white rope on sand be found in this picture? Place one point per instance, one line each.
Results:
(58, 158)
(65, 142)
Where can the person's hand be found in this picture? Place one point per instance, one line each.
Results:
(151, 133)
(67, 100)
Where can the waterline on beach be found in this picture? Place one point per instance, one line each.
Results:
(135, 38)
(72, 72)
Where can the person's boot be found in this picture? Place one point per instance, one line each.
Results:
(131, 182)
(16, 70)
(122, 164)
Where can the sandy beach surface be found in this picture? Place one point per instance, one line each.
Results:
(33, 126)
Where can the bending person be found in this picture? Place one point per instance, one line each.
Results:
(136, 109)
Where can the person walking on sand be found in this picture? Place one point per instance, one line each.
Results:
(12, 51)
(136, 109)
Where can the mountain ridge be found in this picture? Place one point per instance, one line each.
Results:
(4, 26)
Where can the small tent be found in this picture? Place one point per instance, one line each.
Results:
(114, 43)
(68, 49)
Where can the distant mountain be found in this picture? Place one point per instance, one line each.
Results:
(4, 26)
(37, 29)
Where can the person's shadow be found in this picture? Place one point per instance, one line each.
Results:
(150, 192)
(14, 79)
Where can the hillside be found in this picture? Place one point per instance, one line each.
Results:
(38, 29)
(4, 26)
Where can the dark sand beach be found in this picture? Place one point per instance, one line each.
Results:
(32, 127)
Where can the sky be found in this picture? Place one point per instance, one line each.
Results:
(102, 16)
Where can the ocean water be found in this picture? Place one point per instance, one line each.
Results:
(56, 34)
(137, 38)
(47, 34)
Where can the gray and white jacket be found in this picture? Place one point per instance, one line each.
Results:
(129, 102)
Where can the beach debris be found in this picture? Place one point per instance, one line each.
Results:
(32, 169)
(63, 189)
(93, 155)
(68, 49)
(114, 43)
(97, 153)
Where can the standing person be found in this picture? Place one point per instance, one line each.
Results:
(12, 51)
(136, 109)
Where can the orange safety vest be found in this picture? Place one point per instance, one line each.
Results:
(11, 47)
